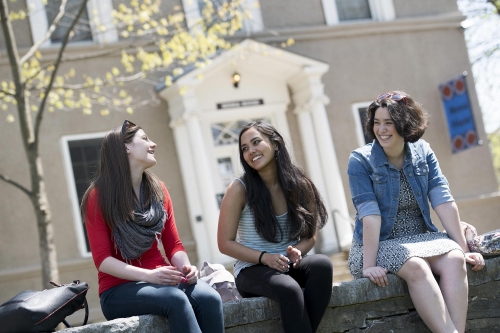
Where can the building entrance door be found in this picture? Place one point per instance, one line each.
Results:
(227, 153)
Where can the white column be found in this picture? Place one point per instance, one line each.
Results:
(205, 184)
(254, 23)
(191, 13)
(330, 11)
(331, 172)
(282, 127)
(382, 10)
(328, 241)
(186, 161)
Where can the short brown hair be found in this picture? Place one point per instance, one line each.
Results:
(410, 118)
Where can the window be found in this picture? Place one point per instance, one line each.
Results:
(98, 12)
(82, 27)
(359, 114)
(81, 157)
(353, 10)
(193, 12)
(337, 11)
(225, 137)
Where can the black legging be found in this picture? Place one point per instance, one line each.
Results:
(301, 311)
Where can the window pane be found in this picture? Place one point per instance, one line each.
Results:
(84, 156)
(353, 10)
(82, 28)
(228, 133)
(216, 4)
(362, 118)
(79, 172)
(91, 153)
(76, 154)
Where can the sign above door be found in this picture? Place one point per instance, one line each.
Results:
(240, 104)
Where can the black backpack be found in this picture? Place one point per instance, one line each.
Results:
(41, 311)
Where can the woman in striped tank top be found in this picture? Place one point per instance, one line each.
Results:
(268, 222)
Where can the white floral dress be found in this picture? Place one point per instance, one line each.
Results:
(409, 237)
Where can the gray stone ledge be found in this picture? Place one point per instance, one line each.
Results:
(355, 306)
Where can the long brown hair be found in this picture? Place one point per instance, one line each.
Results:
(113, 180)
(306, 211)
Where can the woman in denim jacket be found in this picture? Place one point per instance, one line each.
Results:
(392, 181)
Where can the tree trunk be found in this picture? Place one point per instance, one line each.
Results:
(38, 195)
(48, 253)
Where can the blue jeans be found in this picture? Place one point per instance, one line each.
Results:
(190, 308)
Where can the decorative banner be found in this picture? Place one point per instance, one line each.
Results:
(461, 125)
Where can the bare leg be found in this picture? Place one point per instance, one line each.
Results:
(453, 282)
(426, 295)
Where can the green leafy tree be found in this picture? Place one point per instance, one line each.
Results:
(150, 43)
(482, 33)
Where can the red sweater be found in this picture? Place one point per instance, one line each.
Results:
(102, 245)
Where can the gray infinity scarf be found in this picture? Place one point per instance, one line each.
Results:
(133, 238)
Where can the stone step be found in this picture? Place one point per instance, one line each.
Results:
(341, 274)
(341, 271)
(339, 257)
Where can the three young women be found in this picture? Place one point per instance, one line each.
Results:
(128, 213)
(268, 221)
(392, 181)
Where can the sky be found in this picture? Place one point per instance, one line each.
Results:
(482, 33)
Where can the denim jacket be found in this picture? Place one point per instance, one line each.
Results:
(374, 184)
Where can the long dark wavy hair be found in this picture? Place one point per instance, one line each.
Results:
(113, 180)
(306, 211)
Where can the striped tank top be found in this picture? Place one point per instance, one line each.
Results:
(247, 235)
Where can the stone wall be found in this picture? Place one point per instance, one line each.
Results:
(356, 306)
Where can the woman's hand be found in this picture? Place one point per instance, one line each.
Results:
(168, 275)
(276, 261)
(191, 274)
(475, 259)
(294, 255)
(377, 275)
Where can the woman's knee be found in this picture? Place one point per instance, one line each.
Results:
(457, 258)
(205, 296)
(210, 297)
(453, 263)
(173, 299)
(285, 290)
(414, 270)
(321, 263)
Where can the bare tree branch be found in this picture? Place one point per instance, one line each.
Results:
(41, 109)
(109, 52)
(47, 35)
(122, 79)
(16, 184)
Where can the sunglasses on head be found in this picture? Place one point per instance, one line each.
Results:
(395, 97)
(127, 124)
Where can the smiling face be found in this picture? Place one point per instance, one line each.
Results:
(141, 151)
(385, 131)
(257, 149)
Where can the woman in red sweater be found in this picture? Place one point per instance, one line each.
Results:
(127, 213)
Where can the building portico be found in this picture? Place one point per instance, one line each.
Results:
(207, 111)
